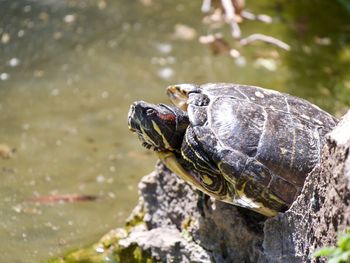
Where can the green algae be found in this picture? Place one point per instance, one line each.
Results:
(108, 250)
(135, 254)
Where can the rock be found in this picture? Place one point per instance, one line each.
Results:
(166, 244)
(195, 232)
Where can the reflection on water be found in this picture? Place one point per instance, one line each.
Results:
(69, 71)
(320, 62)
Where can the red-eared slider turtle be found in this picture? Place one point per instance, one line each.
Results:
(244, 145)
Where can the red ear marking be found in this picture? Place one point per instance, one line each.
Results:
(167, 117)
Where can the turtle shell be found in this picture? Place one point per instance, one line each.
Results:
(263, 142)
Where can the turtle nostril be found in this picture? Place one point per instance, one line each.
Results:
(131, 116)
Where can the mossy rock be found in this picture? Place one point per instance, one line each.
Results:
(107, 250)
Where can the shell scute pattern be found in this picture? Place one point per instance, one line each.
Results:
(259, 144)
(276, 101)
(257, 172)
(206, 172)
(297, 110)
(281, 145)
(228, 116)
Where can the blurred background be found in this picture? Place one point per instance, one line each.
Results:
(69, 70)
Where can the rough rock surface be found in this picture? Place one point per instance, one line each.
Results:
(202, 230)
(181, 225)
(322, 209)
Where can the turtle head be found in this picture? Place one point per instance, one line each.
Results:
(160, 127)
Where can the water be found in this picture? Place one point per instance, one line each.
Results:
(69, 71)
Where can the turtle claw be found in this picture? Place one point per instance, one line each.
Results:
(203, 203)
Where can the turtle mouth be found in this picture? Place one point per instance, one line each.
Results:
(135, 126)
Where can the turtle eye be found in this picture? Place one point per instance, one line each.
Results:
(150, 112)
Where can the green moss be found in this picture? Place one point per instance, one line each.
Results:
(107, 250)
(135, 220)
(134, 254)
(85, 255)
(186, 228)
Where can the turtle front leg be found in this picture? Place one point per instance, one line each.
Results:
(249, 181)
(172, 163)
(202, 202)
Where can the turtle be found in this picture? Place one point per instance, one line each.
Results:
(240, 144)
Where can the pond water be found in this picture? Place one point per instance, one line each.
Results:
(69, 71)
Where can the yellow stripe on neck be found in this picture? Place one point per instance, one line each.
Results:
(157, 129)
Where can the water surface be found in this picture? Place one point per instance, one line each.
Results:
(69, 71)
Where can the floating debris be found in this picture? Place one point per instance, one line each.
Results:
(225, 11)
(13, 62)
(4, 76)
(218, 45)
(5, 38)
(264, 38)
(104, 94)
(69, 19)
(231, 12)
(20, 208)
(184, 32)
(57, 35)
(266, 63)
(163, 61)
(27, 9)
(43, 16)
(102, 4)
(100, 178)
(166, 73)
(26, 126)
(262, 17)
(20, 33)
(38, 73)
(64, 198)
(206, 5)
(7, 170)
(164, 48)
(323, 41)
(241, 62)
(146, 2)
(55, 92)
(6, 152)
(215, 20)
(230, 8)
